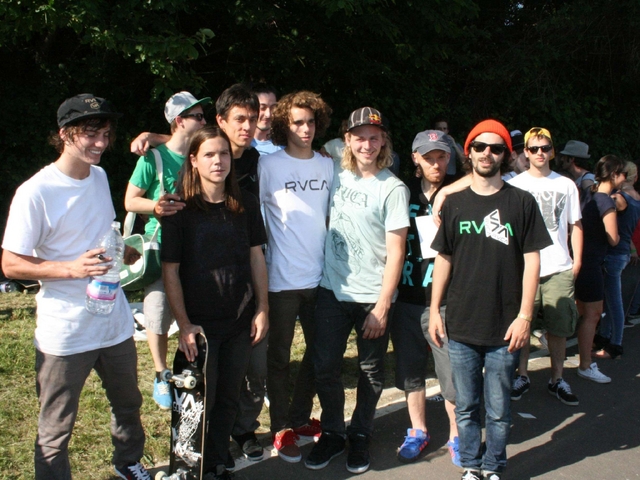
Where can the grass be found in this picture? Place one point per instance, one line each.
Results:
(90, 448)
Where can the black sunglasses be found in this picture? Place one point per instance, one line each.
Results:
(496, 148)
(544, 148)
(197, 116)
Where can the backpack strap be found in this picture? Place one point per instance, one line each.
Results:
(130, 219)
(159, 170)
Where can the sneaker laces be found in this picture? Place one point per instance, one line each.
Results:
(288, 437)
(138, 471)
(163, 388)
(562, 385)
(520, 382)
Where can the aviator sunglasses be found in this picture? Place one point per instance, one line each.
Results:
(496, 148)
(544, 148)
(197, 116)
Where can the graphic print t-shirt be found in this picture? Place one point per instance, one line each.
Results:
(487, 237)
(362, 210)
(559, 203)
(417, 272)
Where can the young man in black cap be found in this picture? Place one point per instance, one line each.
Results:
(364, 253)
(57, 218)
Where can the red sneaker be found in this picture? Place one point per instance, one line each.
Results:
(311, 429)
(285, 443)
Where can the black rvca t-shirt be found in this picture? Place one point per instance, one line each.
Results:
(213, 250)
(487, 237)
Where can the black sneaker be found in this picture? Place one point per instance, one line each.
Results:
(520, 386)
(133, 471)
(358, 460)
(562, 391)
(230, 463)
(329, 446)
(250, 446)
(219, 473)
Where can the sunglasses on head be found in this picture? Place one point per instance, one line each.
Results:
(496, 148)
(544, 148)
(197, 116)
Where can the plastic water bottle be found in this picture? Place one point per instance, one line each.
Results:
(102, 290)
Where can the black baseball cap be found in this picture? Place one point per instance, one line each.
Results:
(84, 106)
(366, 116)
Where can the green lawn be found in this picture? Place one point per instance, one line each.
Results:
(90, 449)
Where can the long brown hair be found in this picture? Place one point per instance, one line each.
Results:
(190, 182)
(606, 168)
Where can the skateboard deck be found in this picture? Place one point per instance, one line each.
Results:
(188, 422)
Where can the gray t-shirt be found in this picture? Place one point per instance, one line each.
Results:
(363, 210)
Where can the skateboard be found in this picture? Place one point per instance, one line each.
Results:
(188, 422)
(24, 286)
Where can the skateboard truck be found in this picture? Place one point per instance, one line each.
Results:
(179, 475)
(187, 379)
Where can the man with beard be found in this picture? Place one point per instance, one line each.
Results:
(409, 328)
(489, 246)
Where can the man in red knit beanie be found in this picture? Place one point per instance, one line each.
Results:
(488, 245)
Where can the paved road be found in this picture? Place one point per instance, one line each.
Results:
(598, 439)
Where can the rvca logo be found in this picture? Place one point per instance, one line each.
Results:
(491, 226)
(314, 184)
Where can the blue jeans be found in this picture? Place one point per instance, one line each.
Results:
(612, 324)
(334, 322)
(467, 362)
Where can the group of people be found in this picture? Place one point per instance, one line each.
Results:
(258, 231)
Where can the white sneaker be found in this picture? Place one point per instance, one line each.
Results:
(592, 373)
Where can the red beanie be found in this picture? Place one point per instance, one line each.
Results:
(488, 126)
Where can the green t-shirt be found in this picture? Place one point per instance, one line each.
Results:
(145, 177)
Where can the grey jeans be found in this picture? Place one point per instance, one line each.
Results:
(59, 381)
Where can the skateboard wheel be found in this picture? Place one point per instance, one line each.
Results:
(166, 375)
(190, 382)
(161, 475)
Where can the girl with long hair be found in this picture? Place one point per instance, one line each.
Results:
(618, 257)
(216, 280)
(600, 229)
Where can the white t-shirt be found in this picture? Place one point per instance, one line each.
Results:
(55, 217)
(265, 147)
(335, 148)
(294, 194)
(559, 203)
(363, 210)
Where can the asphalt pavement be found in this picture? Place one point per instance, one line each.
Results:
(598, 439)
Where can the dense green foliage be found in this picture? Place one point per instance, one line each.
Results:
(569, 65)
